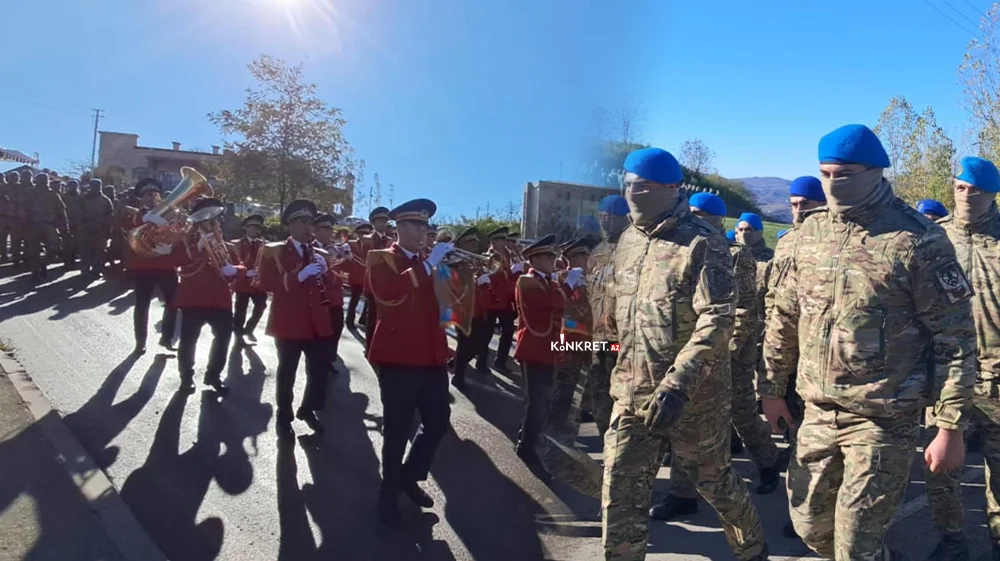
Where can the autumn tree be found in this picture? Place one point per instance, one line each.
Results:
(697, 157)
(285, 142)
(979, 74)
(623, 124)
(921, 153)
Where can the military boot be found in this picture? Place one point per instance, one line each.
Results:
(769, 478)
(762, 556)
(735, 443)
(673, 506)
(996, 551)
(952, 547)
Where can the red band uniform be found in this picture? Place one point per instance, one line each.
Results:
(247, 286)
(299, 321)
(335, 283)
(355, 268)
(576, 328)
(478, 337)
(379, 217)
(409, 351)
(500, 306)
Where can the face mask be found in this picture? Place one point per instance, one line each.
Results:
(845, 193)
(972, 208)
(716, 222)
(645, 208)
(749, 237)
(612, 225)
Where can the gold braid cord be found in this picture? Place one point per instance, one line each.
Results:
(523, 282)
(375, 258)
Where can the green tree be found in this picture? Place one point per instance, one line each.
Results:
(979, 74)
(920, 151)
(286, 143)
(697, 157)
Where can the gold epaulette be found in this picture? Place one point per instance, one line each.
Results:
(377, 256)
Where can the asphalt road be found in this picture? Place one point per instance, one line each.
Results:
(209, 481)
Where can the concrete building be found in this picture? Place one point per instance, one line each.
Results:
(122, 162)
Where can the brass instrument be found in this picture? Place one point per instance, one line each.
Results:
(485, 264)
(320, 283)
(211, 236)
(144, 239)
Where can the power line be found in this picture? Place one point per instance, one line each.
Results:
(956, 10)
(93, 148)
(42, 105)
(977, 10)
(951, 19)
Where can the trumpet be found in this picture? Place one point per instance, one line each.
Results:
(486, 264)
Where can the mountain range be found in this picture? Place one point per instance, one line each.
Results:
(772, 196)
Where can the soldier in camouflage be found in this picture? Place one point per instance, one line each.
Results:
(974, 229)
(613, 216)
(22, 193)
(48, 215)
(97, 224)
(5, 217)
(932, 210)
(683, 498)
(865, 373)
(74, 216)
(672, 296)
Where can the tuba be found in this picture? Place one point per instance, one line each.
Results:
(144, 239)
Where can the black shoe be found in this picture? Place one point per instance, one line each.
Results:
(418, 495)
(310, 419)
(167, 344)
(501, 367)
(284, 430)
(784, 457)
(735, 444)
(388, 510)
(768, 480)
(789, 531)
(481, 367)
(187, 386)
(672, 506)
(458, 381)
(450, 365)
(140, 349)
(217, 385)
(952, 547)
(665, 462)
(762, 556)
(250, 337)
(586, 416)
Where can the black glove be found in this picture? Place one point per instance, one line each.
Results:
(664, 409)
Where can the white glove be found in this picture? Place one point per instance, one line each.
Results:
(205, 238)
(309, 270)
(483, 279)
(517, 268)
(554, 276)
(252, 274)
(163, 249)
(321, 261)
(229, 270)
(438, 253)
(575, 277)
(151, 218)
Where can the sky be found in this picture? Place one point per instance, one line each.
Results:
(465, 102)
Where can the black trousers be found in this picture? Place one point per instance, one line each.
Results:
(537, 391)
(317, 371)
(506, 320)
(192, 320)
(407, 390)
(470, 345)
(145, 282)
(243, 299)
(352, 305)
(370, 321)
(337, 321)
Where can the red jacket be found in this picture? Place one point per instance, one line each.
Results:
(540, 303)
(334, 282)
(202, 284)
(501, 288)
(248, 250)
(578, 318)
(369, 243)
(355, 266)
(132, 218)
(408, 330)
(297, 310)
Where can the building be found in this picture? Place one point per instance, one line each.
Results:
(122, 162)
(565, 209)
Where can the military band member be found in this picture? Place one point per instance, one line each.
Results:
(148, 273)
(335, 287)
(467, 346)
(500, 307)
(445, 235)
(932, 210)
(247, 286)
(379, 239)
(409, 350)
(576, 327)
(356, 272)
(299, 320)
(208, 267)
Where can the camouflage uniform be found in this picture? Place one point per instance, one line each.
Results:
(74, 217)
(20, 198)
(48, 218)
(600, 272)
(116, 251)
(977, 247)
(865, 374)
(97, 221)
(672, 297)
(5, 216)
(743, 359)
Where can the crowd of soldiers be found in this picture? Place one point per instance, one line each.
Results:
(672, 334)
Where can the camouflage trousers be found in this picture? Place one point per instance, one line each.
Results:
(944, 491)
(38, 236)
(5, 233)
(847, 479)
(93, 248)
(753, 431)
(700, 440)
(17, 239)
(598, 395)
(556, 442)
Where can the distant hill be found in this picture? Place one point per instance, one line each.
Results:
(772, 196)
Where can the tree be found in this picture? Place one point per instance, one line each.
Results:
(979, 74)
(921, 153)
(697, 157)
(392, 194)
(287, 143)
(377, 194)
(624, 124)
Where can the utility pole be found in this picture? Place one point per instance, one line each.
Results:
(93, 148)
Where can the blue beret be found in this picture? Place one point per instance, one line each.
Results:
(708, 203)
(808, 187)
(930, 206)
(752, 219)
(853, 144)
(654, 164)
(731, 235)
(615, 205)
(981, 173)
(781, 233)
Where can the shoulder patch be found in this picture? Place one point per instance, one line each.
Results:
(952, 281)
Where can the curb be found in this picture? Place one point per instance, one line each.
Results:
(122, 527)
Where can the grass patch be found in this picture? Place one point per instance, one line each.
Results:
(771, 230)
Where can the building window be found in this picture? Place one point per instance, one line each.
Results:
(138, 174)
(568, 195)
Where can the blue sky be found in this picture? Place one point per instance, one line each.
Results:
(464, 102)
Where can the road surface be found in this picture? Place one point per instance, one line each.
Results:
(208, 480)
